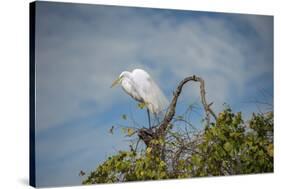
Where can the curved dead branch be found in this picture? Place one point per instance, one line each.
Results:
(148, 134)
(172, 107)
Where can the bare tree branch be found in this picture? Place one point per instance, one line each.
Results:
(172, 107)
(147, 134)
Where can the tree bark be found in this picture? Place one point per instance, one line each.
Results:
(148, 134)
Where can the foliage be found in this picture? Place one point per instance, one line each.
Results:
(227, 146)
(128, 166)
(232, 147)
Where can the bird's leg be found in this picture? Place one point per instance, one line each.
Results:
(157, 118)
(148, 115)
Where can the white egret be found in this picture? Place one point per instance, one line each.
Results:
(141, 87)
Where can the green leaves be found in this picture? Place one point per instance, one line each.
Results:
(180, 117)
(130, 167)
(142, 105)
(226, 147)
(148, 150)
(128, 131)
(270, 150)
(196, 160)
(124, 117)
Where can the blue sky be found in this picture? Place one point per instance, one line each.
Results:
(81, 49)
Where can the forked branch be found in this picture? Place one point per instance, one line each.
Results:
(161, 129)
(172, 107)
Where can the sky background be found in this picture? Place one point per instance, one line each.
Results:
(81, 49)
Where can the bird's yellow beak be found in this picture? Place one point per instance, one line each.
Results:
(116, 82)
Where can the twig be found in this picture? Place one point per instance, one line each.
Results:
(160, 131)
(171, 110)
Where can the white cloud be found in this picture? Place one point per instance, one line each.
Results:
(79, 55)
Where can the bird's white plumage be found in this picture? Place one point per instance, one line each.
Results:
(140, 86)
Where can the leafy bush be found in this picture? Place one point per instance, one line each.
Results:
(228, 146)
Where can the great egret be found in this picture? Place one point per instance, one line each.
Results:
(141, 87)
